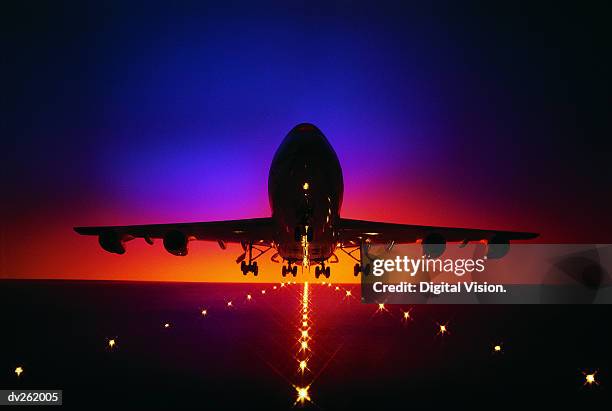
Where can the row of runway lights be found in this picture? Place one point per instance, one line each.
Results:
(303, 396)
(302, 354)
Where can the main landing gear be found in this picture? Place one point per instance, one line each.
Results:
(322, 271)
(289, 269)
(357, 268)
(249, 268)
(251, 265)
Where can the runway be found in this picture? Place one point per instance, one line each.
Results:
(228, 346)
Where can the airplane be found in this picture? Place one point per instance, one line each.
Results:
(305, 189)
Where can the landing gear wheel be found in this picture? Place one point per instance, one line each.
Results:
(356, 269)
(294, 270)
(284, 271)
(243, 268)
(255, 269)
(327, 272)
(317, 272)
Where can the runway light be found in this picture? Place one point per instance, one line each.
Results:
(381, 307)
(249, 297)
(304, 333)
(229, 304)
(329, 284)
(349, 293)
(589, 379)
(443, 330)
(274, 287)
(303, 365)
(304, 345)
(497, 348)
(282, 284)
(406, 315)
(302, 394)
(305, 186)
(166, 325)
(18, 371)
(111, 343)
(204, 312)
(337, 288)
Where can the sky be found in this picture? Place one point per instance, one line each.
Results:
(132, 113)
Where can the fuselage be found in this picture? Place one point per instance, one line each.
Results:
(305, 188)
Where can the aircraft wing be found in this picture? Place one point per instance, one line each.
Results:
(356, 231)
(255, 230)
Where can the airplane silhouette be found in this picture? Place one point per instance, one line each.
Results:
(305, 188)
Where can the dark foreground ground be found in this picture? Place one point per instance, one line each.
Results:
(246, 356)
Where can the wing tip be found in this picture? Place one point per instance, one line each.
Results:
(85, 230)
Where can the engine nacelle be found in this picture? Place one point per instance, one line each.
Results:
(176, 242)
(498, 246)
(112, 242)
(434, 245)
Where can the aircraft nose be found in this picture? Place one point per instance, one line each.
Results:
(305, 127)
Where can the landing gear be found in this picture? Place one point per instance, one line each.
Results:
(357, 269)
(289, 269)
(251, 265)
(326, 271)
(249, 268)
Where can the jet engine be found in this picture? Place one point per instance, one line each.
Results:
(434, 245)
(498, 247)
(176, 242)
(112, 242)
